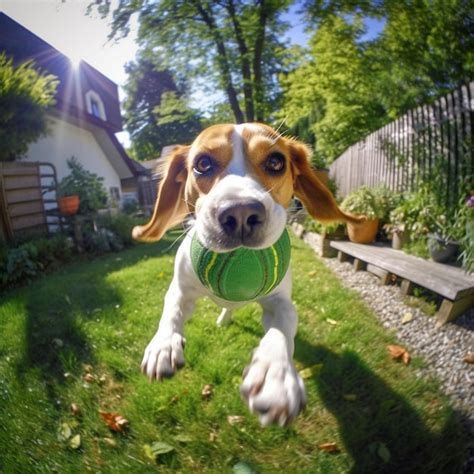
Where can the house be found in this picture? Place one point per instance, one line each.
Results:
(85, 119)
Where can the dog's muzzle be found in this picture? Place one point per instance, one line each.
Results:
(242, 222)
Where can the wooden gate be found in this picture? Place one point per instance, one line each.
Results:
(21, 199)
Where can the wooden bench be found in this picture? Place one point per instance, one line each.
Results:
(452, 283)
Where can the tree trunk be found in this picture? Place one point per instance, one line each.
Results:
(222, 60)
(245, 66)
(257, 60)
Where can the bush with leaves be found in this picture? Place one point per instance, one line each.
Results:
(88, 186)
(25, 95)
(363, 201)
(24, 261)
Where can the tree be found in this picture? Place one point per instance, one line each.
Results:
(25, 95)
(349, 85)
(231, 45)
(334, 88)
(156, 111)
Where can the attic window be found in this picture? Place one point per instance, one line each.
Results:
(94, 105)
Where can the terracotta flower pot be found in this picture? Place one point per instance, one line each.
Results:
(68, 205)
(363, 233)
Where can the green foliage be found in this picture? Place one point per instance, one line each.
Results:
(364, 201)
(387, 200)
(156, 110)
(22, 263)
(231, 47)
(348, 85)
(25, 95)
(417, 212)
(88, 186)
(121, 225)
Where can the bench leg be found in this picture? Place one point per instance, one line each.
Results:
(407, 287)
(451, 309)
(380, 272)
(359, 265)
(342, 257)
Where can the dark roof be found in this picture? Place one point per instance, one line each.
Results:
(21, 44)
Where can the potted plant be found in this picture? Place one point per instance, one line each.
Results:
(88, 189)
(68, 202)
(397, 227)
(450, 232)
(363, 201)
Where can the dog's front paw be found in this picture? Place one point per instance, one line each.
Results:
(163, 356)
(273, 390)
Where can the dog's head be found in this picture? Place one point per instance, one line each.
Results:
(238, 180)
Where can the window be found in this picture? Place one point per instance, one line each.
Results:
(95, 108)
(114, 196)
(94, 105)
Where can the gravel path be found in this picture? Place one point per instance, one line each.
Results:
(443, 348)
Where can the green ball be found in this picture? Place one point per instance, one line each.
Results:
(243, 274)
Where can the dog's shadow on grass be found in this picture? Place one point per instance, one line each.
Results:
(380, 429)
(57, 307)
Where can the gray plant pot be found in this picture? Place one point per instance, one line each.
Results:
(442, 250)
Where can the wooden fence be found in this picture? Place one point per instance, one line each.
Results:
(21, 199)
(432, 143)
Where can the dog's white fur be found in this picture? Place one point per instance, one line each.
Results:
(271, 385)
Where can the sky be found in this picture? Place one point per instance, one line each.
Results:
(64, 25)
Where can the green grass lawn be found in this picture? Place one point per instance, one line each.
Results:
(96, 318)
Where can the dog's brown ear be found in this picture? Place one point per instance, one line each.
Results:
(315, 196)
(170, 207)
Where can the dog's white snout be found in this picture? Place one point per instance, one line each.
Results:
(241, 219)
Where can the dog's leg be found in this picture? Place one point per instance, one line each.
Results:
(225, 318)
(272, 386)
(164, 354)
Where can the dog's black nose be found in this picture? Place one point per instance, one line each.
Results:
(241, 219)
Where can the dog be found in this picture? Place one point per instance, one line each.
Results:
(238, 181)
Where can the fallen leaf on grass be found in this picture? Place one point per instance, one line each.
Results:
(206, 392)
(399, 353)
(64, 432)
(89, 378)
(312, 274)
(110, 442)
(310, 371)
(75, 442)
(469, 359)
(242, 468)
(331, 321)
(235, 419)
(157, 449)
(114, 421)
(329, 447)
(381, 450)
(75, 410)
(182, 438)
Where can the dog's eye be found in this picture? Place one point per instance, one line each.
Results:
(204, 165)
(275, 163)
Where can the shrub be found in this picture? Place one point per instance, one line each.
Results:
(121, 224)
(25, 95)
(88, 186)
(20, 265)
(23, 262)
(363, 201)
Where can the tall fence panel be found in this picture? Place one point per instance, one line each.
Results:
(433, 142)
(21, 199)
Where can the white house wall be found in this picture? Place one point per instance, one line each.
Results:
(67, 140)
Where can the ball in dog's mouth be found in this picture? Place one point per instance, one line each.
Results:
(244, 274)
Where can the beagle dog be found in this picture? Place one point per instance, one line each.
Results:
(238, 181)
